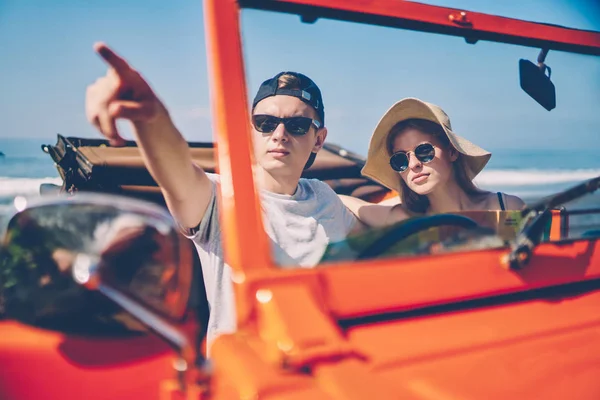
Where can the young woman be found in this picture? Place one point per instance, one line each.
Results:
(414, 152)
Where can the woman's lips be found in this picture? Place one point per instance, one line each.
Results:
(420, 178)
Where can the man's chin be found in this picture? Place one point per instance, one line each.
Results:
(277, 166)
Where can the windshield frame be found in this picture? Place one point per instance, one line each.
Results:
(245, 241)
(473, 26)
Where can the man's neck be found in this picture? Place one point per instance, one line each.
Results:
(450, 198)
(277, 183)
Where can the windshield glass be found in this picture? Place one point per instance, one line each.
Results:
(363, 70)
(411, 237)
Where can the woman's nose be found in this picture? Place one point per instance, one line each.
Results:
(413, 161)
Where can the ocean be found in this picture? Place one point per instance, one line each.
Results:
(530, 174)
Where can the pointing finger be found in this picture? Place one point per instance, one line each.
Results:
(120, 66)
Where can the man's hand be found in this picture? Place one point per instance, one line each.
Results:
(122, 93)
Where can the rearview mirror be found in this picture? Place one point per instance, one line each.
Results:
(537, 84)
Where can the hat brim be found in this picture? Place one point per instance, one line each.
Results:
(378, 167)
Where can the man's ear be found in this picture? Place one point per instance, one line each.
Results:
(320, 139)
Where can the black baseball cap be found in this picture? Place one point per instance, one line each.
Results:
(308, 92)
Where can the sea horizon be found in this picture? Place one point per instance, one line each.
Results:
(528, 173)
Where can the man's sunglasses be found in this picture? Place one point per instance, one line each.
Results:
(425, 152)
(296, 126)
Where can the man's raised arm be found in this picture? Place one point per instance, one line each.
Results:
(123, 93)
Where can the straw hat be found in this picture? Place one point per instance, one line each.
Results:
(378, 166)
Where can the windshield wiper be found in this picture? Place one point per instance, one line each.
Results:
(535, 219)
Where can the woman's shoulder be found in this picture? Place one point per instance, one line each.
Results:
(399, 212)
(501, 200)
(513, 202)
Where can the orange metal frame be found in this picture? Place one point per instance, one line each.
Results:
(246, 244)
(449, 21)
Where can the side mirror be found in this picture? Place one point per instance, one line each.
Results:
(536, 83)
(100, 259)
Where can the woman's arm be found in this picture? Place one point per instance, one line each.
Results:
(392, 201)
(373, 215)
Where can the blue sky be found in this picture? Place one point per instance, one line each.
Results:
(48, 62)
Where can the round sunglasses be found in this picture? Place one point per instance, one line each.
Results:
(296, 126)
(425, 152)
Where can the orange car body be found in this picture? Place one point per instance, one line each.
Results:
(451, 326)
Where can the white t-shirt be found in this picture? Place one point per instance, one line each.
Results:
(300, 226)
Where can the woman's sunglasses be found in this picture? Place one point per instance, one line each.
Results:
(296, 126)
(425, 152)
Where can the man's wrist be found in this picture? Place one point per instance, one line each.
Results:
(160, 120)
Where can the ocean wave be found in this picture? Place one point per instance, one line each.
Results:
(488, 178)
(24, 186)
(534, 177)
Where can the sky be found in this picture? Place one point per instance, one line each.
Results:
(362, 70)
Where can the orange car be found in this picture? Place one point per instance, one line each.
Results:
(443, 316)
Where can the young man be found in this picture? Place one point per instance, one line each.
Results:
(301, 216)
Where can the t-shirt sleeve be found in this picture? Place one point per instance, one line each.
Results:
(208, 228)
(347, 216)
(340, 211)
